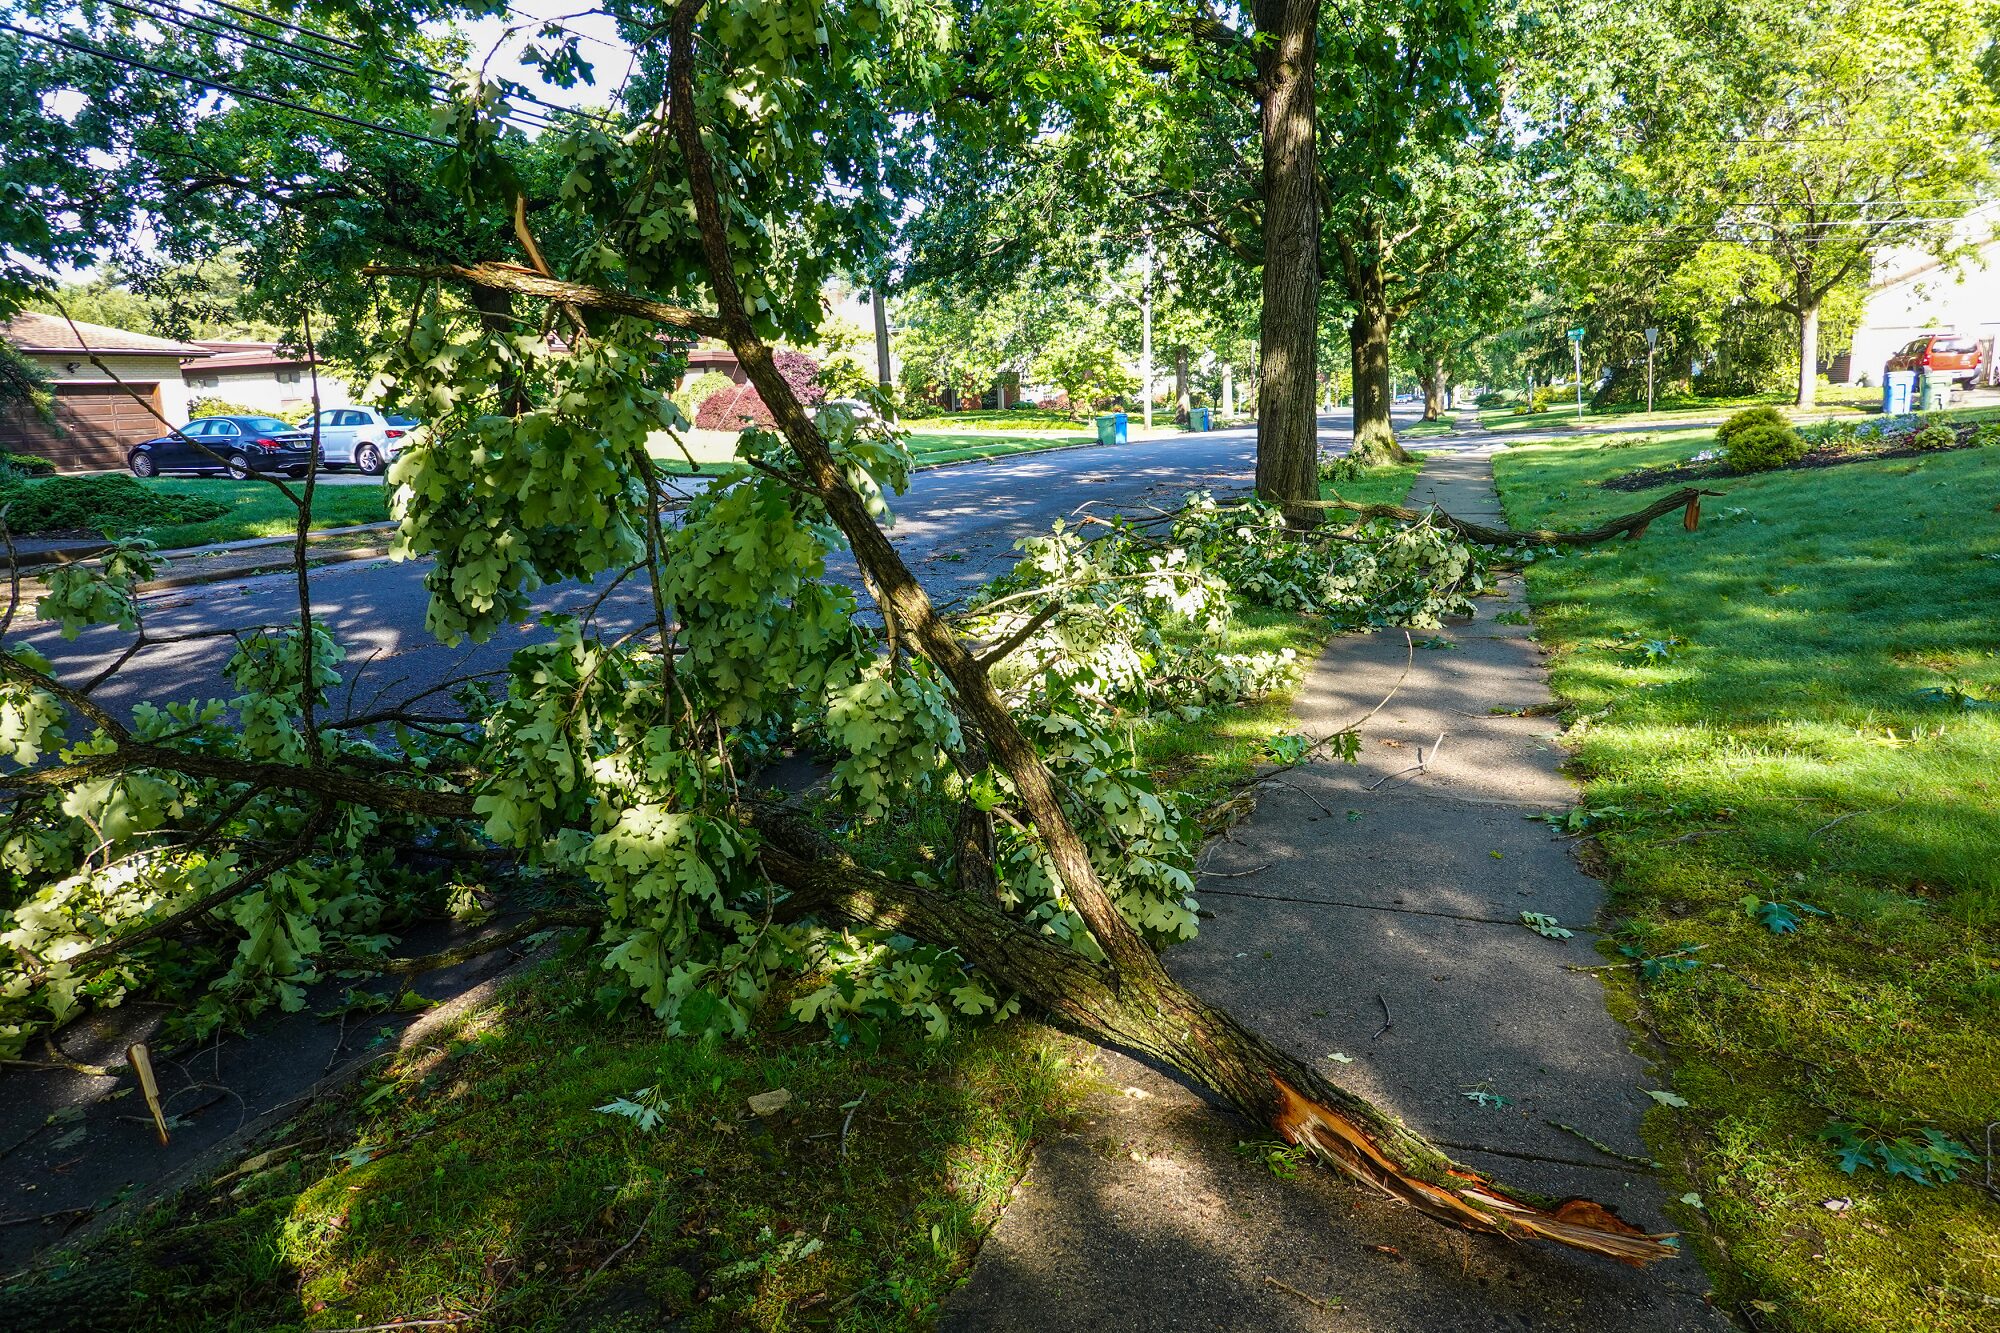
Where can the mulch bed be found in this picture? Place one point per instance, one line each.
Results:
(1825, 455)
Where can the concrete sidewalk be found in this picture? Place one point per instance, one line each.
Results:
(1358, 895)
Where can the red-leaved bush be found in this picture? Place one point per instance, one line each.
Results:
(741, 405)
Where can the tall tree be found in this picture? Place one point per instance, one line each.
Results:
(1816, 134)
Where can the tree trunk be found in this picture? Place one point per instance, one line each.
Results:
(1808, 351)
(1368, 340)
(1287, 425)
(1435, 384)
(1183, 404)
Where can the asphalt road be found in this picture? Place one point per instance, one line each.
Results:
(957, 526)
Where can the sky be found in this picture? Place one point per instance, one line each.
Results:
(505, 36)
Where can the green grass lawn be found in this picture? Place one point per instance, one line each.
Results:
(258, 510)
(930, 448)
(1799, 703)
(1424, 430)
(1009, 419)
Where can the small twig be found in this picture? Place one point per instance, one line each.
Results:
(1291, 1290)
(1606, 1149)
(848, 1123)
(1854, 814)
(1234, 874)
(1421, 766)
(1637, 962)
(1388, 1019)
(407, 1323)
(612, 1257)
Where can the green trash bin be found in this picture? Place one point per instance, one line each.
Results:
(1932, 392)
(1200, 418)
(1107, 430)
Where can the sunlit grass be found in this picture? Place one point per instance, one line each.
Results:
(1786, 748)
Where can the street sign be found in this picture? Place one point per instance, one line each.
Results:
(1576, 335)
(1652, 338)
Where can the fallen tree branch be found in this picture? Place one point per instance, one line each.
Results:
(1160, 1018)
(1629, 526)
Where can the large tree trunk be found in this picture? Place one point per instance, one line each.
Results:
(1183, 404)
(1808, 350)
(1287, 424)
(1368, 340)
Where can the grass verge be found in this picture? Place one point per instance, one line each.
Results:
(258, 510)
(1799, 705)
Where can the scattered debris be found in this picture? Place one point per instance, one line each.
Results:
(772, 1102)
(1545, 925)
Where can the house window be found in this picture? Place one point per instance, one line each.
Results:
(205, 381)
(288, 377)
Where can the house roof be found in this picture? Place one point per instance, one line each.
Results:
(34, 332)
(225, 357)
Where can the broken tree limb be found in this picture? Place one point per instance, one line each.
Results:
(1629, 526)
(1157, 1017)
(527, 282)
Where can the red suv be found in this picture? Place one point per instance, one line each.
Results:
(1943, 355)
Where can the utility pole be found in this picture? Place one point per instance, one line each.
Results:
(1652, 344)
(882, 375)
(1146, 331)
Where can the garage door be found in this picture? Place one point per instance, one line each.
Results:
(95, 424)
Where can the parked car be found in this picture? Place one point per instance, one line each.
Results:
(362, 437)
(236, 445)
(1942, 354)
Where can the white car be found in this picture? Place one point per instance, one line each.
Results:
(362, 437)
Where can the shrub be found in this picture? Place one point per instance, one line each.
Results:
(25, 465)
(1493, 398)
(222, 407)
(113, 504)
(1934, 435)
(694, 392)
(739, 405)
(1758, 439)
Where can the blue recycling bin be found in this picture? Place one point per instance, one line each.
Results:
(1897, 389)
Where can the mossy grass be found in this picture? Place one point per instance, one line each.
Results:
(1798, 703)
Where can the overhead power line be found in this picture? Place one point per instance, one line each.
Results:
(218, 85)
(405, 61)
(280, 48)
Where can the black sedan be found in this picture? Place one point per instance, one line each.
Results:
(236, 445)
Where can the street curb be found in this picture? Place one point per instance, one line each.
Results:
(69, 555)
(253, 571)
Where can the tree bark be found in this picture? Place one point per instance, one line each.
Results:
(1808, 350)
(1434, 388)
(1287, 423)
(1368, 339)
(1183, 404)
